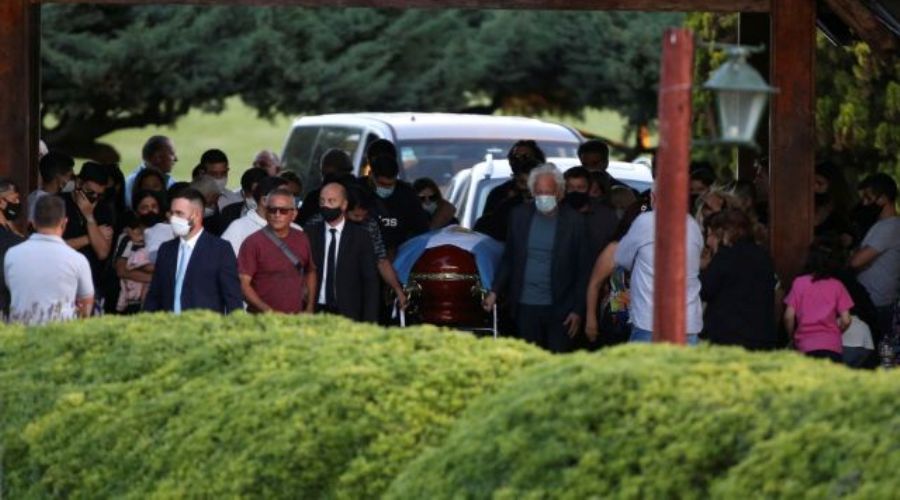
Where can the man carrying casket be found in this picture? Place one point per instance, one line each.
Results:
(544, 269)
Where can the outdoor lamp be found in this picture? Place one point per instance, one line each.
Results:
(741, 96)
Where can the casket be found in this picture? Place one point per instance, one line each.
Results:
(447, 289)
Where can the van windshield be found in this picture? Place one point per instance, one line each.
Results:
(440, 159)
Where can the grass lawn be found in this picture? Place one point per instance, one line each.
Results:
(241, 134)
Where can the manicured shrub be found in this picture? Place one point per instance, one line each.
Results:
(666, 422)
(205, 406)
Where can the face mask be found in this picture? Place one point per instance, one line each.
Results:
(430, 207)
(545, 203)
(821, 199)
(251, 204)
(331, 214)
(384, 192)
(208, 212)
(91, 197)
(11, 210)
(222, 184)
(69, 186)
(577, 200)
(180, 226)
(866, 215)
(522, 164)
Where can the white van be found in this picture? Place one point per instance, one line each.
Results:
(435, 145)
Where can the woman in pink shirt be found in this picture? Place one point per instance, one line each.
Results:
(818, 305)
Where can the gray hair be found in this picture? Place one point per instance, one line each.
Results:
(547, 169)
(49, 211)
(206, 185)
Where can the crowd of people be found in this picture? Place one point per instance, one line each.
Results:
(577, 268)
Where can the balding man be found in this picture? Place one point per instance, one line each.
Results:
(545, 265)
(344, 260)
(267, 161)
(158, 154)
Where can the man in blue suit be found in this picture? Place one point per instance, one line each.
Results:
(196, 270)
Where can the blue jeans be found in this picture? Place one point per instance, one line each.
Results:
(641, 335)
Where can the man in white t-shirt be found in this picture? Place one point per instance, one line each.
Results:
(48, 280)
(878, 258)
(636, 253)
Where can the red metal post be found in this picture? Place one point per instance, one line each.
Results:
(671, 205)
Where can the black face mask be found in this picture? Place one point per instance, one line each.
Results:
(522, 164)
(151, 219)
(331, 214)
(577, 200)
(11, 210)
(866, 215)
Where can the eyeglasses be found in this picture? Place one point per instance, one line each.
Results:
(428, 198)
(279, 210)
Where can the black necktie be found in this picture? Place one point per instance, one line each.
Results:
(330, 292)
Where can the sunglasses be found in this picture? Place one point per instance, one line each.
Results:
(428, 198)
(279, 210)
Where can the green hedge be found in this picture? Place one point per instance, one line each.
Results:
(663, 422)
(318, 407)
(201, 405)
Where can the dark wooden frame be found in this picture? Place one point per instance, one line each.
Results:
(791, 125)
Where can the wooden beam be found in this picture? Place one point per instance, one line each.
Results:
(863, 22)
(671, 206)
(792, 138)
(19, 90)
(641, 5)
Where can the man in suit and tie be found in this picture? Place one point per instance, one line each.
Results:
(344, 259)
(196, 270)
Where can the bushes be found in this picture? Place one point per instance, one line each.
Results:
(312, 407)
(640, 422)
(208, 406)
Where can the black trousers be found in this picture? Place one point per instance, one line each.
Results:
(541, 326)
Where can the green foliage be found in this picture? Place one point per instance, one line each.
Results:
(665, 422)
(857, 100)
(111, 67)
(206, 406)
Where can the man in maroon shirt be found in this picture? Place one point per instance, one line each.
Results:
(275, 265)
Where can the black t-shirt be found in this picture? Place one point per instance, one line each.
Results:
(77, 227)
(401, 216)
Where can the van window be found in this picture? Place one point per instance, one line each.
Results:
(298, 150)
(344, 138)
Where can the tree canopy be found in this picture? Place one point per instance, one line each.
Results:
(111, 67)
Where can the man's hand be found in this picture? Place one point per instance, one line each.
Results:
(591, 329)
(489, 301)
(573, 322)
(402, 299)
(85, 205)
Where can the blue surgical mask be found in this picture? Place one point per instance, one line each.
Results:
(384, 192)
(545, 203)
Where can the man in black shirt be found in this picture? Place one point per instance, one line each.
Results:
(403, 215)
(523, 156)
(90, 226)
(10, 208)
(336, 166)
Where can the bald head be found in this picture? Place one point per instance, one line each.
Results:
(268, 161)
(333, 196)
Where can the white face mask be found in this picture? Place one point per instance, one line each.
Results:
(69, 187)
(180, 226)
(222, 184)
(208, 212)
(545, 203)
(251, 204)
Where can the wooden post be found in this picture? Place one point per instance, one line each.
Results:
(671, 206)
(792, 137)
(19, 90)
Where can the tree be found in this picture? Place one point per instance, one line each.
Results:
(108, 67)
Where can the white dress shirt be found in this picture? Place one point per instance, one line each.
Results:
(337, 249)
